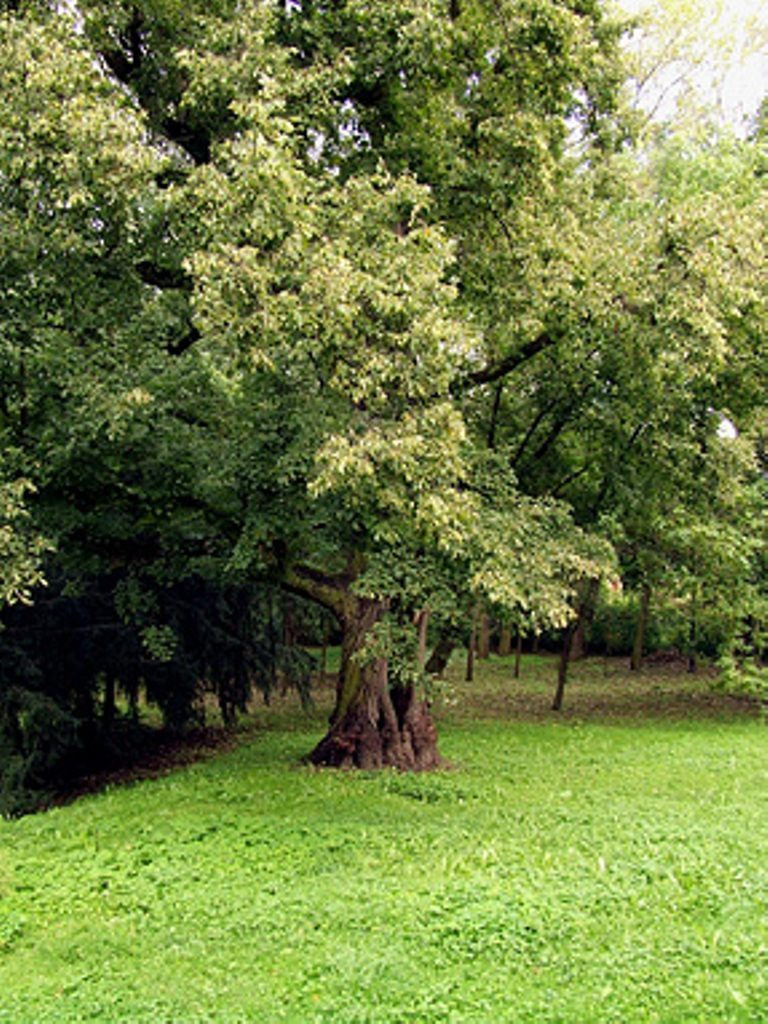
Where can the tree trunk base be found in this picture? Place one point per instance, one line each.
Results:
(379, 734)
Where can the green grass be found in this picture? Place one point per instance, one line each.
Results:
(605, 867)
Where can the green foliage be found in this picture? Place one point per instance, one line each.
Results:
(373, 290)
(21, 549)
(745, 673)
(668, 629)
(64, 659)
(612, 630)
(37, 736)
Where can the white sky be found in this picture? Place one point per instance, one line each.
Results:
(736, 28)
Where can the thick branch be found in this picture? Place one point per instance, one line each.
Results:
(126, 62)
(495, 415)
(172, 279)
(557, 491)
(495, 371)
(195, 141)
(533, 427)
(332, 592)
(176, 348)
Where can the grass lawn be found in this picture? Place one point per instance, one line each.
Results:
(609, 865)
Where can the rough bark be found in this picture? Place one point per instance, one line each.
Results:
(380, 728)
(373, 725)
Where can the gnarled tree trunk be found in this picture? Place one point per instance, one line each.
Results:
(374, 724)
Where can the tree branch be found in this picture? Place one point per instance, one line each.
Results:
(558, 427)
(544, 411)
(176, 348)
(125, 60)
(557, 491)
(495, 371)
(332, 592)
(495, 415)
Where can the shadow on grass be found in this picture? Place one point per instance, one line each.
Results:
(599, 690)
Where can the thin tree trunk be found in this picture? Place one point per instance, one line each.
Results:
(578, 643)
(562, 669)
(574, 634)
(469, 675)
(108, 707)
(441, 654)
(289, 626)
(586, 613)
(133, 701)
(518, 653)
(638, 646)
(484, 636)
(505, 640)
(693, 633)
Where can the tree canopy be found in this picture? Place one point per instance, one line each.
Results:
(373, 304)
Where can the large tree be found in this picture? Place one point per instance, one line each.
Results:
(347, 296)
(266, 260)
